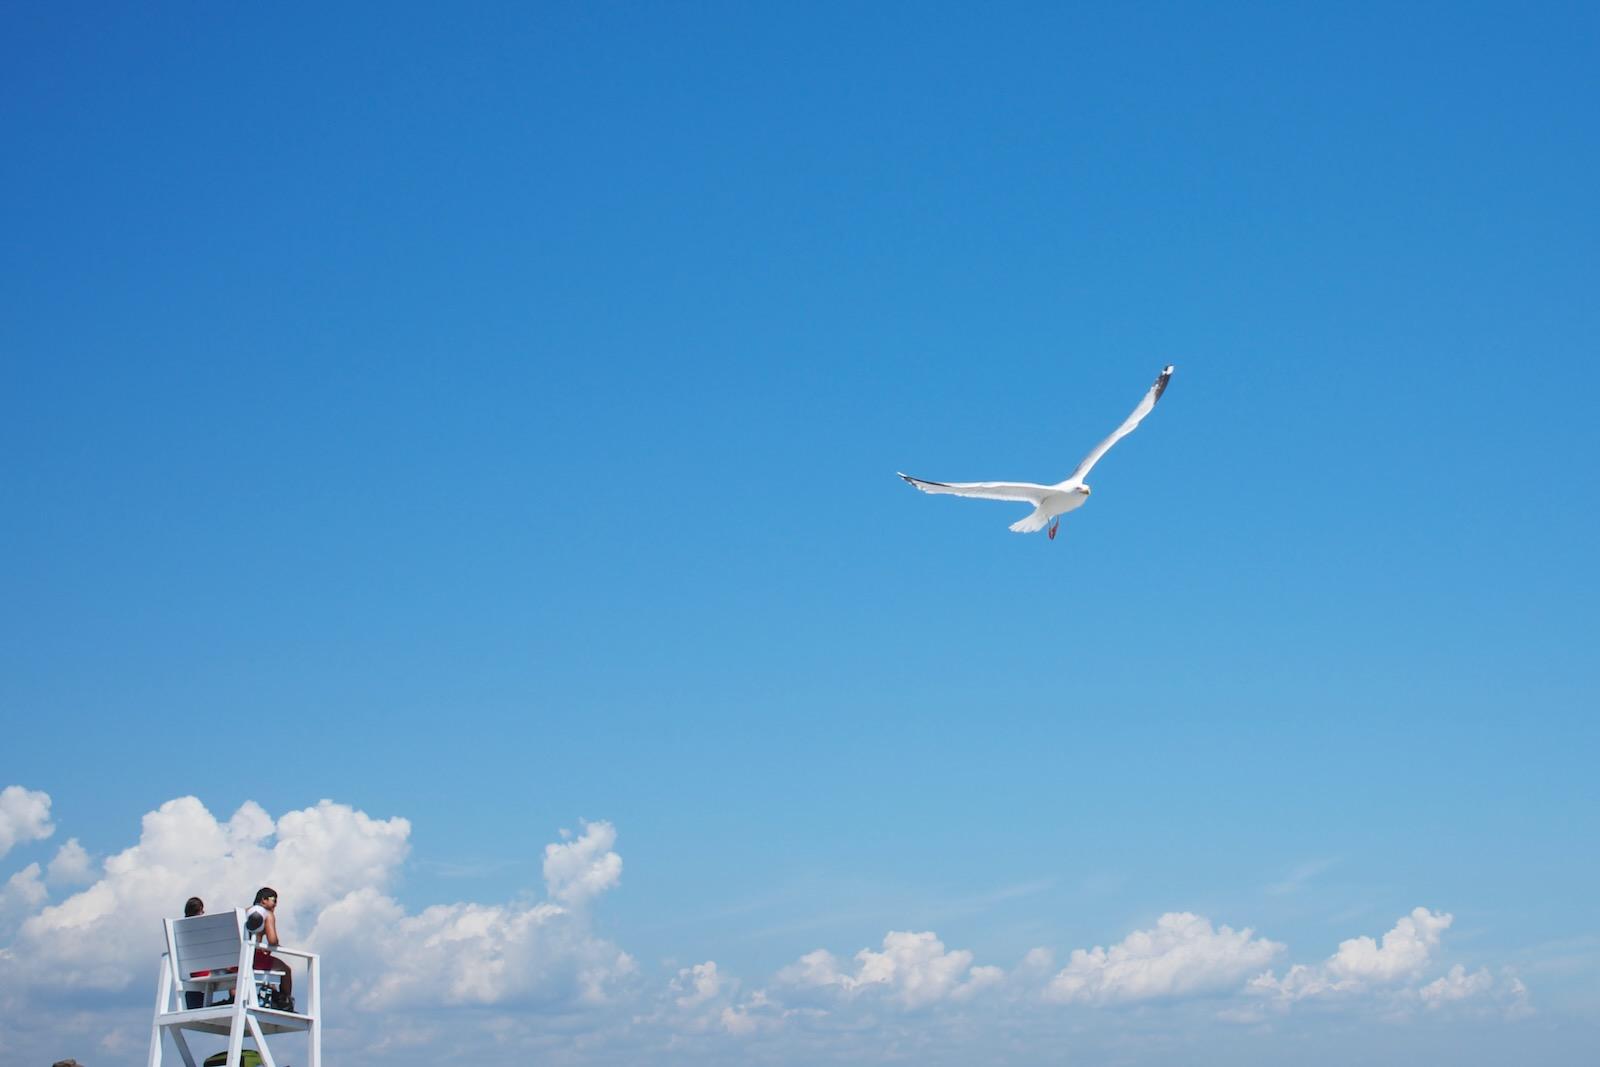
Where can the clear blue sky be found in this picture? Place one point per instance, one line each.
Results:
(494, 413)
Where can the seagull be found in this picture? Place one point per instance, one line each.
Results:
(1051, 501)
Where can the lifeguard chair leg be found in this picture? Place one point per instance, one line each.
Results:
(261, 1042)
(163, 989)
(236, 1031)
(314, 1006)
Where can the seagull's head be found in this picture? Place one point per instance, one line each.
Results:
(1084, 489)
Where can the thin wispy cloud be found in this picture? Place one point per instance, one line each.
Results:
(468, 870)
(1300, 877)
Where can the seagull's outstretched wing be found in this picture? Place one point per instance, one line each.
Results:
(1026, 492)
(1146, 406)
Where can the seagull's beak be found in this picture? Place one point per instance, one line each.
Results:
(1086, 490)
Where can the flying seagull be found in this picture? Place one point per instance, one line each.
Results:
(1051, 501)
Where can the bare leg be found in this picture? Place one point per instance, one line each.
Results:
(265, 961)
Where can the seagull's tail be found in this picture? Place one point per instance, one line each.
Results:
(1032, 523)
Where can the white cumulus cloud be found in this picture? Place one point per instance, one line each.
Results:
(24, 816)
(577, 871)
(1362, 963)
(1182, 955)
(333, 866)
(913, 970)
(71, 865)
(466, 954)
(21, 894)
(102, 936)
(1477, 993)
(1456, 984)
(1403, 953)
(703, 1002)
(698, 984)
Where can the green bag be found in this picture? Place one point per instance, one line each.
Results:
(249, 1058)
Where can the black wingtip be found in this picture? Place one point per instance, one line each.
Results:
(1162, 379)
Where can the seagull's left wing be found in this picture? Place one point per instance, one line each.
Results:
(1026, 492)
(1146, 406)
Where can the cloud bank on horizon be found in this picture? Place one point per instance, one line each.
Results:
(538, 977)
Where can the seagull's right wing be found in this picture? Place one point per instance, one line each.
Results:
(1026, 492)
(1146, 406)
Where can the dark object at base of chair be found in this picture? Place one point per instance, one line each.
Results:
(247, 1058)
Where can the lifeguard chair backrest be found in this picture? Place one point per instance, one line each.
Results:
(205, 942)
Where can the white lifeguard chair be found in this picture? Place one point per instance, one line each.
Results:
(212, 955)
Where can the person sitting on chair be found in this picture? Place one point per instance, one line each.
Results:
(194, 998)
(261, 919)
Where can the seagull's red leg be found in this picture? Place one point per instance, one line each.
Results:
(1053, 527)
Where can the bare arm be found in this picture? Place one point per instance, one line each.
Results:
(270, 930)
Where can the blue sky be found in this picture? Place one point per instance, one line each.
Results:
(490, 419)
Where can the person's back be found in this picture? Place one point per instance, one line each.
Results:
(194, 998)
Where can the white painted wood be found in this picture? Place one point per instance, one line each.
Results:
(163, 991)
(183, 1049)
(261, 1042)
(205, 942)
(236, 1032)
(314, 1009)
(218, 943)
